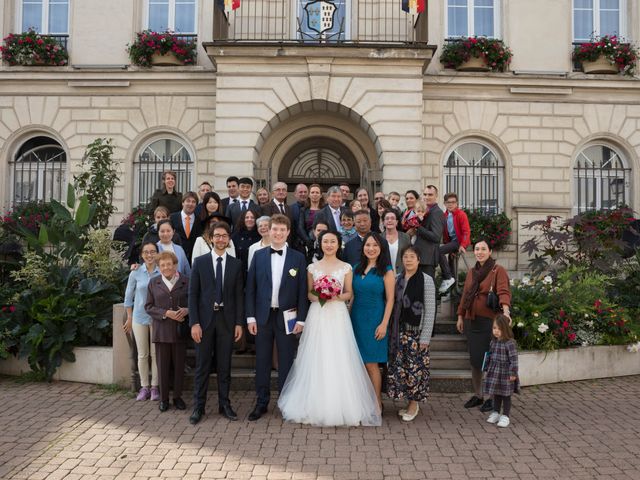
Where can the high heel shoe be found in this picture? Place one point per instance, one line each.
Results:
(408, 417)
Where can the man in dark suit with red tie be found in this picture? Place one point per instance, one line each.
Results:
(216, 318)
(185, 223)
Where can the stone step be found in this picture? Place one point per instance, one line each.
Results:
(448, 342)
(449, 360)
(441, 381)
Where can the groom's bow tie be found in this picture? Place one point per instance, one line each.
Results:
(279, 252)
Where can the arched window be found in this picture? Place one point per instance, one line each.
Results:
(601, 178)
(157, 156)
(38, 171)
(474, 172)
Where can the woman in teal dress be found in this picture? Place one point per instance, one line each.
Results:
(373, 292)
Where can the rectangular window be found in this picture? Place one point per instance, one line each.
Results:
(46, 16)
(594, 18)
(466, 18)
(175, 15)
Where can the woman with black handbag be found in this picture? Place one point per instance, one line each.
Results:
(486, 292)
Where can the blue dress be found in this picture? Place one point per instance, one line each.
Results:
(366, 314)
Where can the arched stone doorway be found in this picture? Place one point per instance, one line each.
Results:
(320, 160)
(318, 142)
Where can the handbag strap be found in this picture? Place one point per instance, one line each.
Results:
(495, 280)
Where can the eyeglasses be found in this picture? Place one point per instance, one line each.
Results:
(149, 252)
(218, 236)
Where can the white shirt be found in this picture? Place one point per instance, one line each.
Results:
(336, 216)
(252, 250)
(393, 251)
(277, 203)
(188, 218)
(171, 283)
(277, 265)
(214, 259)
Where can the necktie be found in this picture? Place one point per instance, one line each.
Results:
(218, 291)
(336, 217)
(279, 252)
(281, 208)
(244, 205)
(187, 225)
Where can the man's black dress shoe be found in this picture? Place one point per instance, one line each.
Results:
(163, 406)
(179, 403)
(228, 412)
(196, 416)
(487, 406)
(473, 402)
(257, 413)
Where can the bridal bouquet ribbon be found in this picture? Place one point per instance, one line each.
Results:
(326, 288)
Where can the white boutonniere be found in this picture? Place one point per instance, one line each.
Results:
(293, 272)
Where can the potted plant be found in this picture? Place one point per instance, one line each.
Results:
(155, 48)
(494, 228)
(31, 48)
(476, 54)
(606, 54)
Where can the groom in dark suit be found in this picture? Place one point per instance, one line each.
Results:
(276, 283)
(216, 319)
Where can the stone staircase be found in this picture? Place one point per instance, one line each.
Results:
(450, 371)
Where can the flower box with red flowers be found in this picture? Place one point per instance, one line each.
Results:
(493, 53)
(32, 49)
(621, 56)
(149, 46)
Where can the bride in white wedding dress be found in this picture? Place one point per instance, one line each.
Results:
(328, 384)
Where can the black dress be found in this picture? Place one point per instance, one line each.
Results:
(242, 240)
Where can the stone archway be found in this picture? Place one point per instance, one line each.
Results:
(318, 142)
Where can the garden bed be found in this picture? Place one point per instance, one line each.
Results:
(579, 363)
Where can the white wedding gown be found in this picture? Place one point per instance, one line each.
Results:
(328, 384)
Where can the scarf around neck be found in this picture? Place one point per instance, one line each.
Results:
(478, 273)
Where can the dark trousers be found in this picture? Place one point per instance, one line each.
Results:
(445, 263)
(166, 353)
(429, 270)
(504, 402)
(287, 345)
(215, 338)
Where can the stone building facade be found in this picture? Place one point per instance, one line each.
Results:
(376, 110)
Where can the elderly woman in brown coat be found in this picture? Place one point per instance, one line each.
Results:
(475, 318)
(167, 306)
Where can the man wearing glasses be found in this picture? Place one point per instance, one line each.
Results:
(456, 238)
(216, 316)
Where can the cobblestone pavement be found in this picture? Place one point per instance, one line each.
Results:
(75, 431)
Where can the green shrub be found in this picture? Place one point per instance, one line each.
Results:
(495, 228)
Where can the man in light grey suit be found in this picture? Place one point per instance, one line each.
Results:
(429, 233)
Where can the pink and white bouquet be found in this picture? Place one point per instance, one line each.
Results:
(326, 288)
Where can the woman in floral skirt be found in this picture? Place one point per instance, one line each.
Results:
(413, 317)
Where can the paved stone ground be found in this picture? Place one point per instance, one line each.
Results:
(76, 431)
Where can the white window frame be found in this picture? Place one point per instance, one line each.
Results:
(172, 17)
(622, 20)
(497, 16)
(44, 19)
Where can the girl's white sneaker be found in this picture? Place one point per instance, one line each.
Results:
(494, 417)
(504, 421)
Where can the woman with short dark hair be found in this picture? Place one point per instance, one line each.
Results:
(414, 314)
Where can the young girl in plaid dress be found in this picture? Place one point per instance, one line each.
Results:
(502, 371)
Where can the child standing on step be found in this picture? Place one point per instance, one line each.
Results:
(502, 372)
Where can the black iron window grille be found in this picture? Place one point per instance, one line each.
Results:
(475, 173)
(601, 179)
